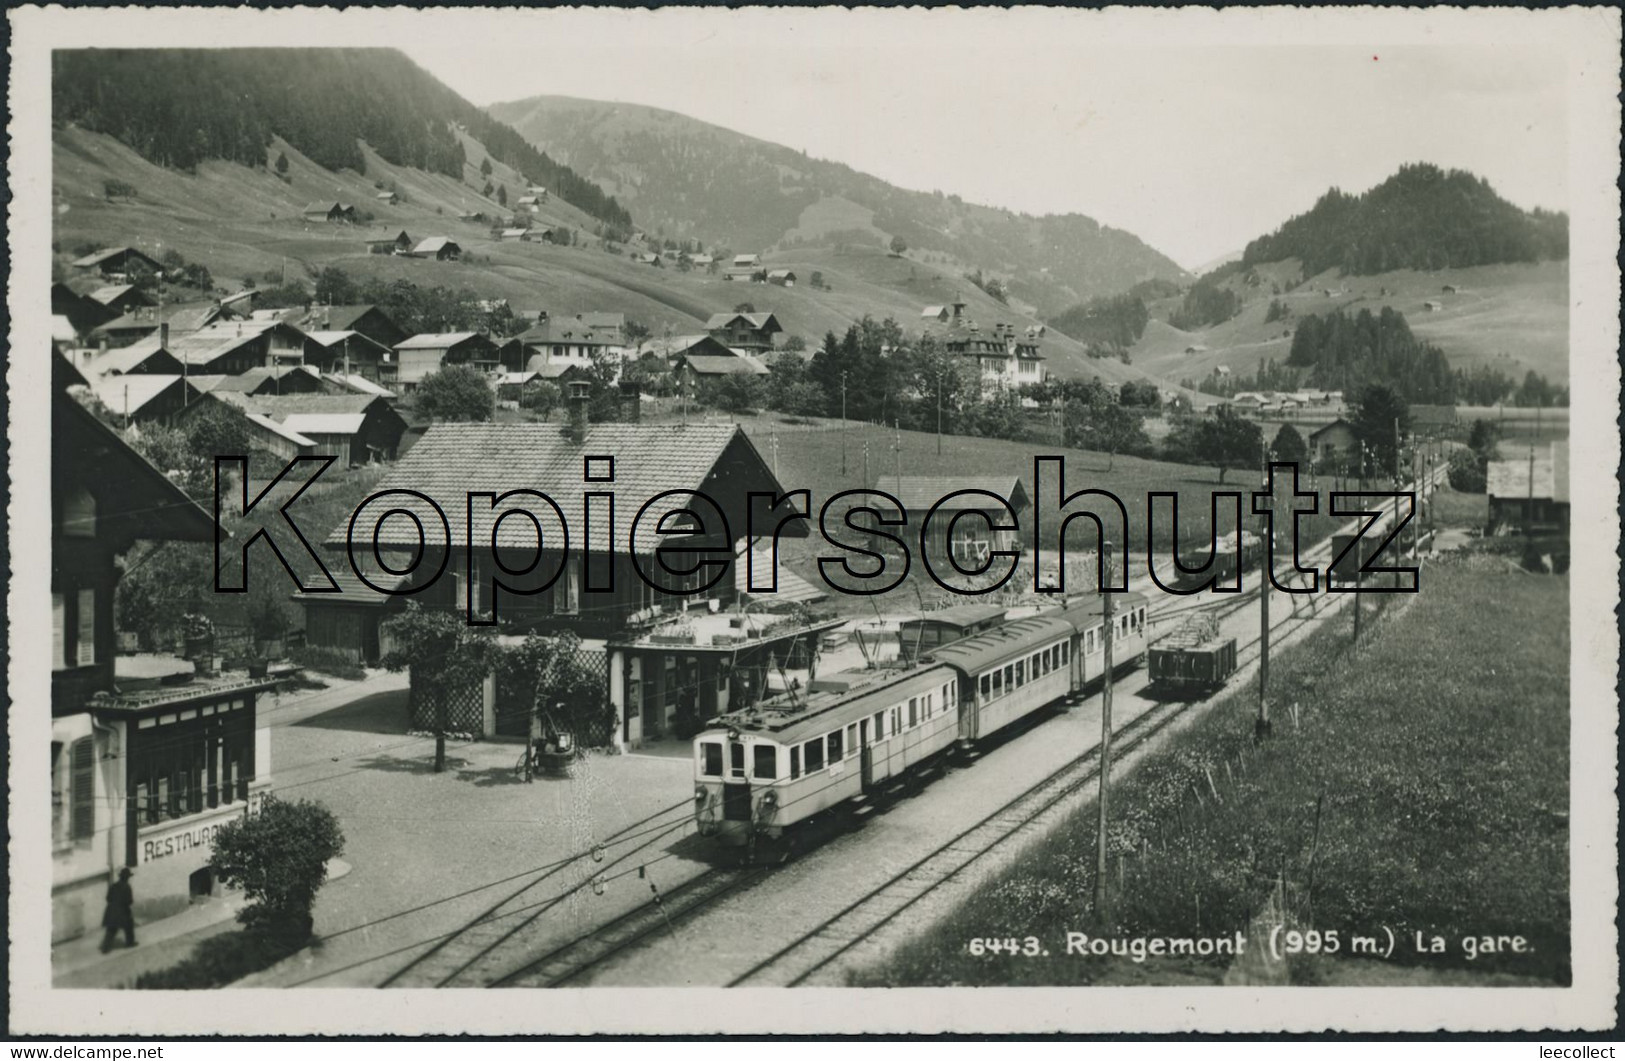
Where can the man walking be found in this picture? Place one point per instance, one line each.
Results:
(120, 898)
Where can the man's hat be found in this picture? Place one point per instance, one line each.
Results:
(124, 874)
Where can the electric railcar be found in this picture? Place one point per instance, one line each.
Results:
(780, 762)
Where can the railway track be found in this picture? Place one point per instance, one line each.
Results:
(470, 955)
(566, 963)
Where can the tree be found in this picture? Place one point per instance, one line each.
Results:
(1105, 426)
(898, 246)
(745, 307)
(502, 194)
(461, 655)
(216, 431)
(540, 396)
(485, 166)
(795, 344)
(278, 857)
(1467, 472)
(739, 394)
(335, 288)
(282, 163)
(1381, 417)
(117, 189)
(1224, 441)
(817, 280)
(488, 189)
(1289, 445)
(456, 392)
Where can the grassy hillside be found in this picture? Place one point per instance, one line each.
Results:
(242, 221)
(1408, 720)
(689, 179)
(1513, 318)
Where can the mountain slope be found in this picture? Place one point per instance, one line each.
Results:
(244, 222)
(181, 107)
(685, 178)
(1420, 218)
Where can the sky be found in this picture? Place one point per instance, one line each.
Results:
(1194, 143)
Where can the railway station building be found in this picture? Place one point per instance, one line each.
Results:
(671, 654)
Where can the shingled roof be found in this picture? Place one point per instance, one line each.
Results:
(918, 493)
(454, 459)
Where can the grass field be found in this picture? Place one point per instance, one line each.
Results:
(1437, 753)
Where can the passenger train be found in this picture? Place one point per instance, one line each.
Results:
(779, 762)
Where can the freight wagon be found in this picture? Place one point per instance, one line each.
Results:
(1193, 660)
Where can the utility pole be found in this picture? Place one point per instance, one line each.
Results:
(1261, 726)
(897, 453)
(939, 410)
(843, 424)
(1529, 502)
(1107, 620)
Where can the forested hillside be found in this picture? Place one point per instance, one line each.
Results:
(689, 179)
(1420, 218)
(180, 107)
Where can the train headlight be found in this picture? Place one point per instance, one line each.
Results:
(699, 793)
(770, 799)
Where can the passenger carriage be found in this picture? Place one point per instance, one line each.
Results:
(788, 759)
(1130, 619)
(1010, 672)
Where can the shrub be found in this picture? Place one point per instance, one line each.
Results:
(278, 857)
(329, 661)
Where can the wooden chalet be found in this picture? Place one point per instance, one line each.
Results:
(422, 354)
(117, 262)
(440, 248)
(744, 331)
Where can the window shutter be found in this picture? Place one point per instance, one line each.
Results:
(59, 632)
(84, 789)
(87, 627)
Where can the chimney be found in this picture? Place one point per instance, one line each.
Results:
(579, 395)
(631, 401)
(163, 335)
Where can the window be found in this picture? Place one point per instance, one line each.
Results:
(880, 725)
(987, 686)
(86, 647)
(766, 764)
(59, 631)
(567, 591)
(930, 704)
(83, 781)
(835, 747)
(795, 762)
(998, 684)
(913, 711)
(896, 721)
(79, 515)
(1021, 673)
(947, 696)
(711, 759)
(736, 759)
(1009, 677)
(815, 755)
(1065, 651)
(1089, 646)
(852, 739)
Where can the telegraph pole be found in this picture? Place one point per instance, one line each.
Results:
(1105, 736)
(939, 411)
(843, 424)
(1261, 726)
(1529, 502)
